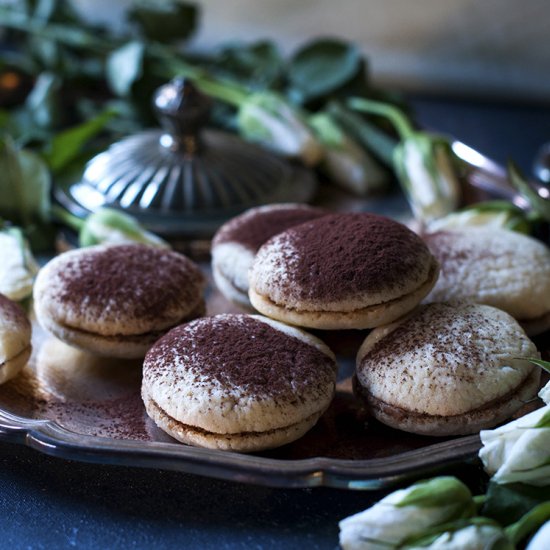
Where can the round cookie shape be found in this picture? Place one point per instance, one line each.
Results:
(237, 241)
(496, 267)
(352, 270)
(237, 382)
(447, 369)
(15, 339)
(117, 300)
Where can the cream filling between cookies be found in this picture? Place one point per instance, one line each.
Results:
(399, 413)
(427, 283)
(151, 335)
(26, 350)
(10, 367)
(195, 429)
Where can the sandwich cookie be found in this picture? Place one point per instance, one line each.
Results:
(117, 300)
(237, 382)
(447, 369)
(15, 339)
(496, 267)
(342, 271)
(237, 241)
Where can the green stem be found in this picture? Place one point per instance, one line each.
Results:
(529, 523)
(65, 217)
(367, 133)
(393, 114)
(221, 89)
(479, 501)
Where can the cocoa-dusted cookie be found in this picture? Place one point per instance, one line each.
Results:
(237, 382)
(342, 271)
(236, 242)
(15, 339)
(117, 300)
(447, 369)
(496, 267)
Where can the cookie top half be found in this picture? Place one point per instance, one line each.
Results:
(255, 226)
(341, 262)
(122, 289)
(234, 374)
(492, 266)
(446, 359)
(237, 241)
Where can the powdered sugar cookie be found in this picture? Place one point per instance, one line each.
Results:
(237, 382)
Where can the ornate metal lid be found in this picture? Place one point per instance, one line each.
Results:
(183, 179)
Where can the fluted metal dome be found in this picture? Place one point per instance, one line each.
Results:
(185, 180)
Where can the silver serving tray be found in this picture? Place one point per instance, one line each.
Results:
(75, 406)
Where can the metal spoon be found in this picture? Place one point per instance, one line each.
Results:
(491, 177)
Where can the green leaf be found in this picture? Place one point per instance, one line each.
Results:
(67, 145)
(125, 67)
(69, 32)
(259, 64)
(538, 204)
(517, 220)
(544, 365)
(438, 491)
(21, 127)
(544, 422)
(529, 523)
(24, 186)
(508, 503)
(322, 66)
(36, 186)
(165, 21)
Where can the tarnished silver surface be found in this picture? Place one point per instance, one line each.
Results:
(70, 404)
(183, 179)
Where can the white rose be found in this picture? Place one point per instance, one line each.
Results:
(472, 537)
(520, 450)
(405, 513)
(18, 266)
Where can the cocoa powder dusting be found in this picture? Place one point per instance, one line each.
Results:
(254, 229)
(13, 312)
(349, 254)
(425, 328)
(243, 352)
(143, 281)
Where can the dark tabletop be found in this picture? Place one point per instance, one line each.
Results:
(47, 502)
